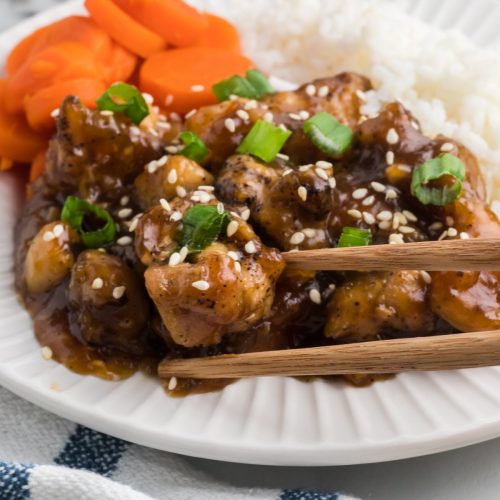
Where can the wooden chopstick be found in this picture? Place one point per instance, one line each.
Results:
(443, 352)
(446, 255)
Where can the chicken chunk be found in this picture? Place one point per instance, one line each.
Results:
(107, 303)
(369, 304)
(50, 257)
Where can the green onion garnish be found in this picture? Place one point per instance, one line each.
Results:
(264, 141)
(124, 98)
(195, 148)
(436, 168)
(354, 237)
(328, 134)
(95, 224)
(254, 86)
(202, 225)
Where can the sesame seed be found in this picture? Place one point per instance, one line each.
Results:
(195, 198)
(384, 225)
(323, 164)
(282, 156)
(230, 125)
(169, 100)
(245, 215)
(124, 200)
(106, 112)
(282, 126)
(392, 136)
(410, 216)
(172, 176)
(124, 241)
(119, 292)
(123, 213)
(175, 117)
(164, 126)
(294, 116)
(77, 151)
(97, 284)
(252, 104)
(174, 259)
(406, 229)
(172, 383)
(232, 228)
(250, 247)
(450, 221)
(201, 285)
(332, 182)
(268, 117)
(209, 189)
(191, 113)
(464, 236)
(426, 277)
(286, 172)
(305, 168)
(395, 239)
(389, 157)
(204, 197)
(395, 222)
(165, 205)
(237, 267)
(332, 286)
(55, 113)
(435, 226)
(135, 130)
(181, 192)
(302, 192)
(220, 208)
(152, 167)
(309, 232)
(241, 113)
(315, 296)
(183, 252)
(452, 232)
(233, 255)
(310, 90)
(47, 353)
(360, 193)
(377, 186)
(447, 147)
(323, 91)
(321, 173)
(401, 218)
(391, 194)
(404, 168)
(415, 125)
(368, 201)
(172, 149)
(197, 88)
(368, 218)
(443, 235)
(133, 225)
(176, 216)
(354, 213)
(58, 230)
(297, 238)
(361, 95)
(233, 97)
(148, 98)
(304, 115)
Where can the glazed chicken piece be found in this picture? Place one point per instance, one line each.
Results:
(369, 304)
(291, 206)
(228, 288)
(337, 95)
(95, 154)
(108, 305)
(164, 178)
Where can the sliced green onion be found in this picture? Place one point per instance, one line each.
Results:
(434, 169)
(124, 98)
(254, 86)
(95, 224)
(354, 237)
(328, 134)
(264, 141)
(195, 148)
(201, 226)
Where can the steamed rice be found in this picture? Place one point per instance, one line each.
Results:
(451, 87)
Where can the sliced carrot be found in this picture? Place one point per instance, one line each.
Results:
(121, 65)
(175, 21)
(22, 51)
(39, 106)
(220, 34)
(123, 28)
(63, 61)
(188, 75)
(38, 166)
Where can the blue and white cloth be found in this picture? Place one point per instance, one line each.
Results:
(44, 457)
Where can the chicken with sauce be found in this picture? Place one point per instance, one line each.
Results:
(173, 254)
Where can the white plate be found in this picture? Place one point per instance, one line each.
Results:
(264, 421)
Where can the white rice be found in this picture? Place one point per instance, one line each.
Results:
(451, 87)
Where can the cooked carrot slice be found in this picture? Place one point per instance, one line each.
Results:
(39, 106)
(220, 34)
(123, 28)
(18, 142)
(121, 65)
(22, 51)
(63, 61)
(38, 165)
(175, 21)
(188, 75)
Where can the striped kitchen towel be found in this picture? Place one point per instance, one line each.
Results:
(44, 457)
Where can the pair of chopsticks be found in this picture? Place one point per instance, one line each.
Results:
(442, 352)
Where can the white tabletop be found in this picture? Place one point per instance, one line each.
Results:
(472, 472)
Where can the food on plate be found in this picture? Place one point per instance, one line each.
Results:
(161, 206)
